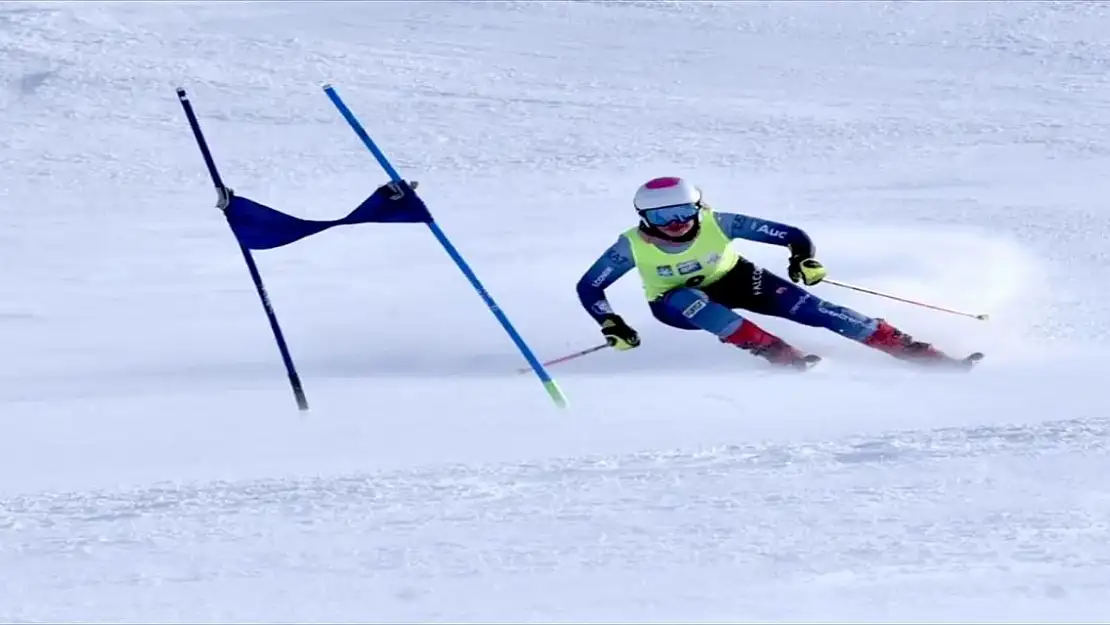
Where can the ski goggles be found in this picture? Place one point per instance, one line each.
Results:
(670, 214)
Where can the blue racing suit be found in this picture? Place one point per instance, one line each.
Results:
(746, 286)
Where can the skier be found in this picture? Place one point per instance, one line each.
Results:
(693, 279)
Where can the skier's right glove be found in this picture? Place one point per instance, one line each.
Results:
(808, 270)
(618, 334)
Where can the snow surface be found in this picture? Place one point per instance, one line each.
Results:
(153, 466)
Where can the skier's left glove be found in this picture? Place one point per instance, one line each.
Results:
(808, 270)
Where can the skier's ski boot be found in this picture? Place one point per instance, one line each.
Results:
(759, 342)
(893, 341)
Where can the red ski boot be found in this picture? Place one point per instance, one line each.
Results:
(893, 341)
(754, 339)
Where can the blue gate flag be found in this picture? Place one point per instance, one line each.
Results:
(260, 227)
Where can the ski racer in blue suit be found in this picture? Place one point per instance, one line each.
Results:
(694, 280)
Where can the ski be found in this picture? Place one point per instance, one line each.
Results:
(811, 361)
(807, 362)
(967, 363)
(973, 359)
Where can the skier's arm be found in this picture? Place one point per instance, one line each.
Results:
(738, 226)
(611, 265)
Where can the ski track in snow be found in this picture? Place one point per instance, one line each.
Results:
(742, 524)
(153, 467)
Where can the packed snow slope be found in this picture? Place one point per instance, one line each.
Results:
(153, 466)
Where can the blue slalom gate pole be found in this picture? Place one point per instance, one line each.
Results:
(224, 196)
(549, 384)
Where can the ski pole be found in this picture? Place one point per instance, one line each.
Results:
(578, 354)
(980, 317)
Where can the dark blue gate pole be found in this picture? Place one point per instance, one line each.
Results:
(224, 197)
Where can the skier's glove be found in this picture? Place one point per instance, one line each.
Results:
(807, 270)
(618, 334)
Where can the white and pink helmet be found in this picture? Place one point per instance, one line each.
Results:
(664, 192)
(668, 200)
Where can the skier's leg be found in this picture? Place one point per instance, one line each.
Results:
(689, 308)
(782, 298)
